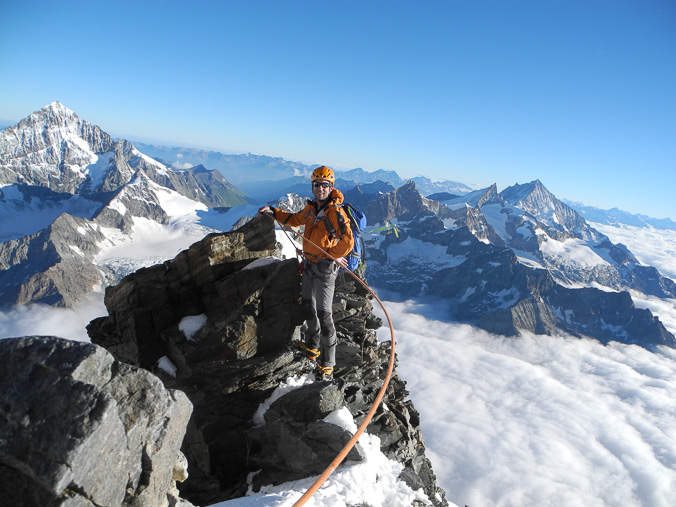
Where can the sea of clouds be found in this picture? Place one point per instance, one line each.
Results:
(539, 420)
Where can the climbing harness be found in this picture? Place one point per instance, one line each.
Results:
(345, 450)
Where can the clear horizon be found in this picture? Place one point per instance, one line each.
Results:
(579, 95)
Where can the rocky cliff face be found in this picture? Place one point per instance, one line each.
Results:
(80, 428)
(53, 266)
(223, 313)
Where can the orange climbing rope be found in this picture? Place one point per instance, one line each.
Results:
(345, 450)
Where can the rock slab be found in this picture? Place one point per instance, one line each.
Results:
(80, 428)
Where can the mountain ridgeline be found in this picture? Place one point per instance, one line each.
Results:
(494, 259)
(65, 187)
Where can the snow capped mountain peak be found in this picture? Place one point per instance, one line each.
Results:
(532, 197)
(59, 108)
(53, 115)
(51, 148)
(536, 200)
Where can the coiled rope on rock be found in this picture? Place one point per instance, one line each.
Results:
(362, 427)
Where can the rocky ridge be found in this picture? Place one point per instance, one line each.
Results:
(222, 315)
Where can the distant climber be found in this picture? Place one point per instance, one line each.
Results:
(327, 226)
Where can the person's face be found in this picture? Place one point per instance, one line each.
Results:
(321, 189)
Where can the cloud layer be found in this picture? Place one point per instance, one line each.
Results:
(539, 420)
(43, 320)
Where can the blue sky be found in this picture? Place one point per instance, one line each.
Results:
(580, 94)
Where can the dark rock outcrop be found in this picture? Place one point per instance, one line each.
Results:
(223, 313)
(295, 442)
(80, 428)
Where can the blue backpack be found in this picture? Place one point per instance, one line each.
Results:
(357, 257)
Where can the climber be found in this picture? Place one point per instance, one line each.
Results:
(327, 226)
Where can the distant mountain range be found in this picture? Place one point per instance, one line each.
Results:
(513, 261)
(510, 261)
(263, 178)
(616, 216)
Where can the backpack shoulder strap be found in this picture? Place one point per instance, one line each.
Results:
(340, 218)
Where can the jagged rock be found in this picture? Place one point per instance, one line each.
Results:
(79, 428)
(295, 442)
(247, 309)
(404, 203)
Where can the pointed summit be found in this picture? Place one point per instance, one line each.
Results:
(536, 200)
(533, 197)
(58, 108)
(404, 203)
(51, 148)
(53, 114)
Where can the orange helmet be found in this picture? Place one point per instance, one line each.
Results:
(323, 173)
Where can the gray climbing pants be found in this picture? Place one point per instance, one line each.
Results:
(318, 285)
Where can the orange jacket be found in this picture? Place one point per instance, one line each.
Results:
(338, 244)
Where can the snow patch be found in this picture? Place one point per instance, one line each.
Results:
(97, 170)
(263, 261)
(414, 251)
(165, 364)
(177, 206)
(191, 324)
(572, 252)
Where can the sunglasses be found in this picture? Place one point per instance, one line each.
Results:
(323, 184)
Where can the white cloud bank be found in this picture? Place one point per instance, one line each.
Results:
(539, 420)
(652, 247)
(44, 320)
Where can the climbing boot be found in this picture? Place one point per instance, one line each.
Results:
(311, 354)
(324, 373)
